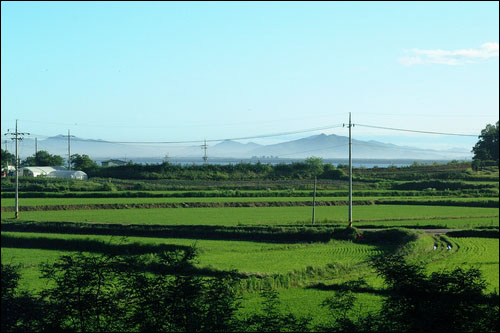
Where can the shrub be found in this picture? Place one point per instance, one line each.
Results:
(449, 301)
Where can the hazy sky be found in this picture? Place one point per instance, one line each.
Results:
(167, 71)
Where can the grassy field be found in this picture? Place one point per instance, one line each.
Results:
(271, 260)
(10, 202)
(479, 252)
(304, 272)
(381, 215)
(263, 259)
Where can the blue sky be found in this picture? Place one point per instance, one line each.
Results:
(167, 71)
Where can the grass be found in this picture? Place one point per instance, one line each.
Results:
(304, 302)
(233, 192)
(10, 202)
(479, 252)
(317, 268)
(444, 223)
(82, 201)
(250, 257)
(229, 216)
(29, 261)
(269, 258)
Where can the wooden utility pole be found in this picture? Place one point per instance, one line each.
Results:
(204, 146)
(349, 217)
(69, 150)
(314, 199)
(17, 136)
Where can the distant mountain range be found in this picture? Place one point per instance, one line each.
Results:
(322, 145)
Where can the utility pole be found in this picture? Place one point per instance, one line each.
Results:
(5, 142)
(17, 136)
(69, 150)
(36, 146)
(204, 146)
(314, 199)
(350, 125)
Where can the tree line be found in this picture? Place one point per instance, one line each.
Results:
(486, 153)
(311, 167)
(110, 293)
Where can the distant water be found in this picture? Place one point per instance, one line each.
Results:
(358, 163)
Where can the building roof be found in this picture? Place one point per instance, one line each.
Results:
(44, 169)
(62, 173)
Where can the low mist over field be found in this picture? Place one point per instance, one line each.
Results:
(322, 145)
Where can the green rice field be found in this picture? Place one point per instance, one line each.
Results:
(304, 272)
(479, 252)
(10, 202)
(269, 259)
(251, 257)
(382, 215)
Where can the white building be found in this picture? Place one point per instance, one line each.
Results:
(52, 172)
(73, 174)
(109, 163)
(36, 171)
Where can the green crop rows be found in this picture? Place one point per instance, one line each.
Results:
(268, 259)
(305, 272)
(229, 216)
(10, 202)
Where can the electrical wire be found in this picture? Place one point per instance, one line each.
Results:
(230, 139)
(425, 150)
(415, 131)
(274, 135)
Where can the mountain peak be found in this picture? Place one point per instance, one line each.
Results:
(321, 145)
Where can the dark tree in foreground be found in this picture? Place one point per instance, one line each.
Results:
(153, 293)
(10, 280)
(163, 292)
(84, 295)
(21, 311)
(450, 301)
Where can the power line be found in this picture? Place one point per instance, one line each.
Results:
(402, 148)
(194, 124)
(33, 135)
(230, 139)
(425, 115)
(416, 131)
(266, 136)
